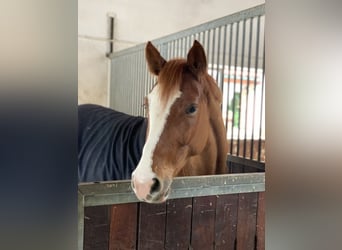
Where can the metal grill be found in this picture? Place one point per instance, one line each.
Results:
(235, 51)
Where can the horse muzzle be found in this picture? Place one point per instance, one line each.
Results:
(151, 191)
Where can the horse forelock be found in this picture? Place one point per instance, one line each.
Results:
(170, 78)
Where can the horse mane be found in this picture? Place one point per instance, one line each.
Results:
(170, 78)
(214, 103)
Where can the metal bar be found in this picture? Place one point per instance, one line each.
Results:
(241, 82)
(80, 229)
(213, 54)
(144, 80)
(147, 72)
(208, 43)
(167, 51)
(201, 38)
(139, 82)
(188, 43)
(174, 48)
(123, 71)
(236, 17)
(118, 192)
(140, 91)
(180, 48)
(127, 90)
(175, 54)
(235, 71)
(229, 68)
(135, 86)
(218, 57)
(255, 81)
(223, 58)
(262, 100)
(248, 80)
(133, 91)
(130, 90)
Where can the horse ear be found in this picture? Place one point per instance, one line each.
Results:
(154, 60)
(197, 60)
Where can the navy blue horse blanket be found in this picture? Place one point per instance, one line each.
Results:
(109, 143)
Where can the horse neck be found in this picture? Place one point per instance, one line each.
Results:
(219, 140)
(212, 160)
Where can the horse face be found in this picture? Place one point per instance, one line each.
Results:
(178, 123)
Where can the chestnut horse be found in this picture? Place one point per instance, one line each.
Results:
(185, 131)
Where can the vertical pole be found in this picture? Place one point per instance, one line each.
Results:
(213, 54)
(223, 64)
(255, 82)
(262, 100)
(241, 83)
(229, 68)
(235, 72)
(218, 58)
(248, 81)
(80, 220)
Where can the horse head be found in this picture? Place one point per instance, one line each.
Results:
(185, 134)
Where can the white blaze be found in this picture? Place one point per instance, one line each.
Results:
(158, 114)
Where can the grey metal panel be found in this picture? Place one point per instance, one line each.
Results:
(116, 192)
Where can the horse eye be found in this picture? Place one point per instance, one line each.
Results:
(191, 109)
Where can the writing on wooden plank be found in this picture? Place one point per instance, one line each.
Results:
(261, 222)
(96, 228)
(246, 227)
(226, 221)
(203, 222)
(178, 223)
(123, 226)
(151, 234)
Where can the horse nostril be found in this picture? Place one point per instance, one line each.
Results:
(156, 186)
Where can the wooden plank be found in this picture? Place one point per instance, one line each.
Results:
(178, 223)
(96, 228)
(151, 233)
(226, 221)
(123, 226)
(260, 228)
(203, 222)
(246, 227)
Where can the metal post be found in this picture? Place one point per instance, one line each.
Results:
(80, 220)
